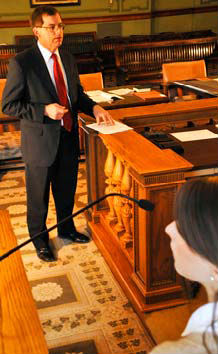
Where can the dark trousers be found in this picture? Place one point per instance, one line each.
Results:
(61, 176)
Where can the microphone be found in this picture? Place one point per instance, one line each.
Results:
(142, 203)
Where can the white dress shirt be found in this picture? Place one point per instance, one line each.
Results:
(200, 320)
(50, 66)
(49, 63)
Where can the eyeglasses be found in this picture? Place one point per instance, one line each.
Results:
(53, 28)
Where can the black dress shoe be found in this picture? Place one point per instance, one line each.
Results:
(45, 254)
(75, 237)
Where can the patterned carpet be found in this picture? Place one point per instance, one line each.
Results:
(81, 307)
(10, 145)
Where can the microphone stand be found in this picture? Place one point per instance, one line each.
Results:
(142, 203)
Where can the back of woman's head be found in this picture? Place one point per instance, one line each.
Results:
(196, 215)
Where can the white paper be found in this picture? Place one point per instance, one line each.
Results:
(109, 129)
(195, 135)
(121, 91)
(101, 96)
(93, 92)
(98, 96)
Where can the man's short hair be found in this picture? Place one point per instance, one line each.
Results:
(36, 17)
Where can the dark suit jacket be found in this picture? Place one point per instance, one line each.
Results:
(28, 89)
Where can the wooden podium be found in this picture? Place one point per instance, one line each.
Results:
(133, 241)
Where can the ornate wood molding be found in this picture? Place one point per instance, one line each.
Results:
(113, 18)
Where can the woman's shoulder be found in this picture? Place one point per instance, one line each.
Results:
(192, 343)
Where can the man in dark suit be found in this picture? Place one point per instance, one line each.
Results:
(39, 80)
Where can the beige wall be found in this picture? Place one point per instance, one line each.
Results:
(185, 23)
(182, 23)
(172, 4)
(11, 10)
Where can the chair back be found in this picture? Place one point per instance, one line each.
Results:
(92, 81)
(2, 86)
(186, 70)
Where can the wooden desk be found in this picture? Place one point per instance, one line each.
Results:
(165, 115)
(170, 115)
(21, 330)
(208, 156)
(202, 87)
(205, 162)
(131, 100)
(132, 241)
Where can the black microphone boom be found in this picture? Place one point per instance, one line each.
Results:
(142, 203)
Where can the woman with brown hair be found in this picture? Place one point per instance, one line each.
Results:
(194, 243)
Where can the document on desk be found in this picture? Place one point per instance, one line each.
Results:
(193, 135)
(109, 129)
(121, 91)
(126, 91)
(101, 96)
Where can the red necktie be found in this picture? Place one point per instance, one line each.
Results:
(62, 93)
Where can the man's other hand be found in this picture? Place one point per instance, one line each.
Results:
(55, 111)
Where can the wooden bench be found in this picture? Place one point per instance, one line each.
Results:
(6, 53)
(142, 62)
(83, 46)
(25, 40)
(21, 331)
